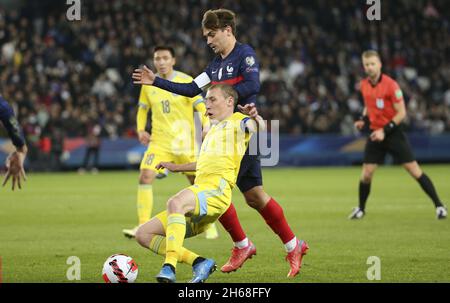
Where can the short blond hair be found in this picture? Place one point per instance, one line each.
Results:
(371, 53)
(227, 91)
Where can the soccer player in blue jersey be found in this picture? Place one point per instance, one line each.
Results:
(236, 64)
(14, 162)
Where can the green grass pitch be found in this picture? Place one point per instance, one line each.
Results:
(56, 216)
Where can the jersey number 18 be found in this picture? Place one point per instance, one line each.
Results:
(165, 106)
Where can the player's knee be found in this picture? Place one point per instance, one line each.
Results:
(142, 238)
(174, 205)
(256, 199)
(146, 177)
(367, 175)
(256, 204)
(413, 169)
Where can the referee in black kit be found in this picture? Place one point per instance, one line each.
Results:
(384, 110)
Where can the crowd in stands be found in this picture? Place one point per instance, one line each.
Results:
(64, 77)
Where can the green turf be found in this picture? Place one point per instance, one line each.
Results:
(61, 215)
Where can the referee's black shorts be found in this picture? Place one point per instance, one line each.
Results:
(396, 144)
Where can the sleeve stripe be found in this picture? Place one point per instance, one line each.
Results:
(198, 102)
(143, 105)
(244, 120)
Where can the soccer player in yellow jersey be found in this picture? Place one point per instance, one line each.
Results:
(173, 132)
(193, 209)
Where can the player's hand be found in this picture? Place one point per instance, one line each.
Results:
(249, 110)
(15, 170)
(143, 76)
(144, 137)
(377, 135)
(169, 165)
(359, 124)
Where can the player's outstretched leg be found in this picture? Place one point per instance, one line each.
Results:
(364, 190)
(273, 214)
(359, 211)
(427, 186)
(243, 248)
(202, 269)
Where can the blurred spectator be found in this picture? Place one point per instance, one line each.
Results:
(309, 53)
(93, 143)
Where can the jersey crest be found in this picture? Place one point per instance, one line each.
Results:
(380, 103)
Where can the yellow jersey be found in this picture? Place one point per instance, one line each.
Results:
(222, 150)
(172, 117)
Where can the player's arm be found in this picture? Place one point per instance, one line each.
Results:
(249, 70)
(399, 107)
(400, 112)
(15, 161)
(145, 76)
(254, 122)
(254, 125)
(141, 118)
(362, 120)
(12, 125)
(185, 167)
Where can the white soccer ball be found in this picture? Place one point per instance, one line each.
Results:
(120, 268)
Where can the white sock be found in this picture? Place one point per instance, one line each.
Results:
(241, 244)
(291, 245)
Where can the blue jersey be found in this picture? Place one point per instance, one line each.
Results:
(240, 69)
(10, 122)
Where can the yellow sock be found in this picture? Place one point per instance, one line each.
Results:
(188, 256)
(176, 230)
(144, 202)
(158, 246)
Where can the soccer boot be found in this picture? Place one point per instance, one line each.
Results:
(211, 233)
(357, 213)
(441, 212)
(295, 258)
(238, 257)
(130, 233)
(202, 270)
(163, 174)
(166, 275)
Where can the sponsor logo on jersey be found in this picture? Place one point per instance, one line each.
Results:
(380, 103)
(250, 60)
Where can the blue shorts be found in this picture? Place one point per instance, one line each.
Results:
(249, 173)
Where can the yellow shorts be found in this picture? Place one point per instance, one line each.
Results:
(154, 156)
(211, 202)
